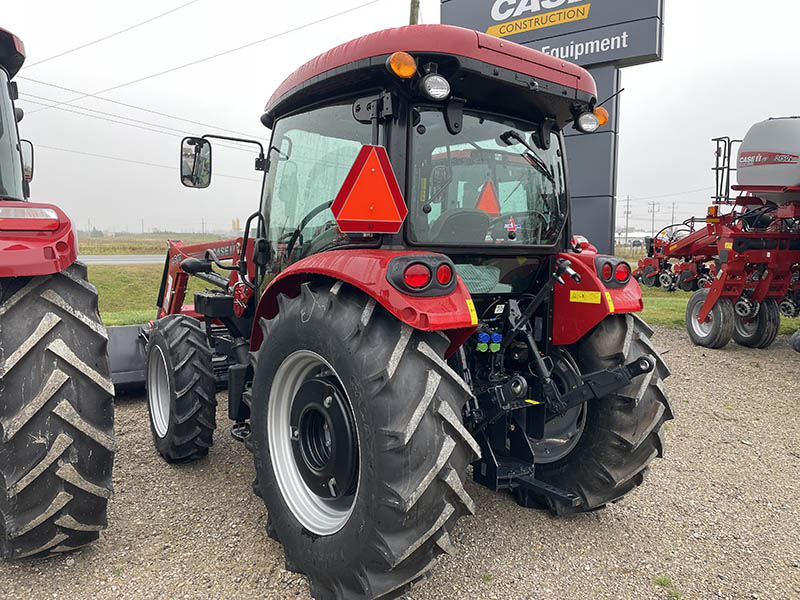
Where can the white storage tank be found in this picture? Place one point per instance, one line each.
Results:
(770, 156)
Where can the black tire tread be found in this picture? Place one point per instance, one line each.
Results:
(190, 435)
(613, 459)
(56, 415)
(418, 506)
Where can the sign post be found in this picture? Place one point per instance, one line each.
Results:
(600, 35)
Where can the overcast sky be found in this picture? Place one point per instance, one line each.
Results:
(728, 64)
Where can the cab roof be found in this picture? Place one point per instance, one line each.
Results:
(336, 70)
(12, 52)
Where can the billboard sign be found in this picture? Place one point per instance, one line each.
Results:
(586, 32)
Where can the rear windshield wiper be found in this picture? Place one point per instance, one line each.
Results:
(531, 156)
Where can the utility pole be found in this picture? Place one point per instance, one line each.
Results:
(627, 216)
(653, 208)
(414, 18)
(142, 225)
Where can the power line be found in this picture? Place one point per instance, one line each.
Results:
(134, 106)
(213, 56)
(683, 193)
(163, 129)
(109, 36)
(136, 162)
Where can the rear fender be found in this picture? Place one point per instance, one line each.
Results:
(578, 307)
(453, 313)
(36, 246)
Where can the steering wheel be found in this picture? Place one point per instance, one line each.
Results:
(497, 222)
(297, 233)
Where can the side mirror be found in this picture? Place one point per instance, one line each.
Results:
(195, 162)
(26, 148)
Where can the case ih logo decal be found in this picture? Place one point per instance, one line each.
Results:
(532, 16)
(370, 200)
(758, 159)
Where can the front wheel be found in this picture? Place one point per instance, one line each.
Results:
(759, 331)
(180, 389)
(359, 446)
(796, 341)
(605, 452)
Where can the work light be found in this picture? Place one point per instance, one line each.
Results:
(435, 87)
(587, 123)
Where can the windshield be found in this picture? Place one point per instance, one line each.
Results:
(489, 184)
(10, 165)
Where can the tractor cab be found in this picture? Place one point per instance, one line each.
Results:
(413, 301)
(13, 184)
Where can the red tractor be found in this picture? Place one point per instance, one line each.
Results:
(56, 412)
(408, 301)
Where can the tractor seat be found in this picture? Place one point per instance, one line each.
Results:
(461, 226)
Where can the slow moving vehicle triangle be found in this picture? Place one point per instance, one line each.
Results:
(369, 200)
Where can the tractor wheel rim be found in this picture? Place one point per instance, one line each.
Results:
(701, 329)
(158, 391)
(311, 439)
(562, 433)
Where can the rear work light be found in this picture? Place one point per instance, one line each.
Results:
(435, 87)
(417, 276)
(622, 272)
(25, 218)
(587, 122)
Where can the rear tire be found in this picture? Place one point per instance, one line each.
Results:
(181, 389)
(388, 528)
(622, 432)
(56, 412)
(762, 329)
(717, 331)
(796, 341)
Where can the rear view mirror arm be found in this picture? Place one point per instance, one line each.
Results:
(261, 161)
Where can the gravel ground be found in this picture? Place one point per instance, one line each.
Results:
(718, 517)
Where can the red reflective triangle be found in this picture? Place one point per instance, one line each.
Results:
(369, 200)
(487, 202)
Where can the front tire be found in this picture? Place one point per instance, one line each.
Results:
(761, 330)
(796, 341)
(181, 391)
(403, 489)
(621, 433)
(56, 412)
(718, 329)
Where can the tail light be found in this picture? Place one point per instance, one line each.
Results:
(26, 218)
(417, 276)
(622, 272)
(607, 271)
(444, 274)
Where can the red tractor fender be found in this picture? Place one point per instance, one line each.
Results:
(578, 307)
(453, 314)
(33, 244)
